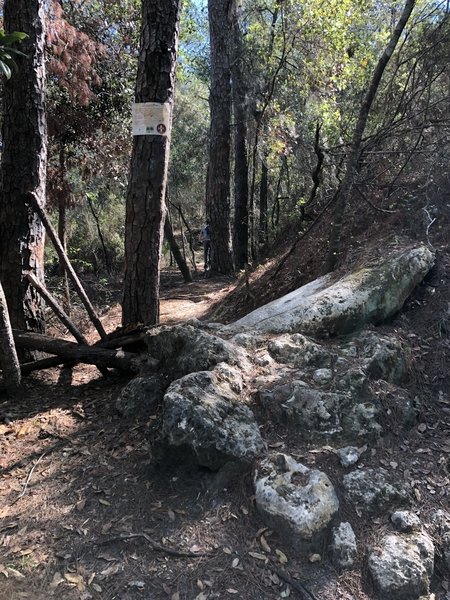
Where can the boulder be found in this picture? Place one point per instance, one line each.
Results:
(299, 351)
(405, 521)
(371, 492)
(440, 526)
(298, 405)
(381, 357)
(297, 502)
(206, 421)
(402, 565)
(294, 403)
(370, 294)
(343, 546)
(183, 349)
(141, 396)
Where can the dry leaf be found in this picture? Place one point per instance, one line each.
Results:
(314, 558)
(175, 596)
(167, 589)
(227, 550)
(4, 571)
(201, 596)
(195, 548)
(258, 556)
(171, 515)
(111, 570)
(282, 558)
(235, 563)
(73, 578)
(107, 557)
(97, 587)
(232, 591)
(264, 545)
(104, 502)
(80, 504)
(137, 584)
(286, 593)
(15, 573)
(421, 427)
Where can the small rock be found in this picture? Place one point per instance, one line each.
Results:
(348, 456)
(343, 546)
(299, 351)
(298, 502)
(402, 566)
(405, 521)
(371, 493)
(322, 376)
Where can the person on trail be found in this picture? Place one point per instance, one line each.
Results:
(204, 238)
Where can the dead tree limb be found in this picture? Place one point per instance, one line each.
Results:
(68, 266)
(44, 363)
(174, 248)
(57, 309)
(8, 355)
(101, 357)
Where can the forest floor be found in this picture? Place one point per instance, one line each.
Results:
(84, 513)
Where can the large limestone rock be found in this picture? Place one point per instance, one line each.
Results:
(371, 492)
(369, 294)
(297, 502)
(402, 566)
(206, 421)
(183, 349)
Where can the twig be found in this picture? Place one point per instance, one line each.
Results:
(304, 592)
(153, 544)
(430, 222)
(22, 493)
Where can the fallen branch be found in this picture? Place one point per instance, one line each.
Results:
(102, 357)
(155, 546)
(57, 309)
(366, 199)
(27, 481)
(67, 265)
(44, 363)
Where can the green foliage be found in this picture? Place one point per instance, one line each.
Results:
(7, 51)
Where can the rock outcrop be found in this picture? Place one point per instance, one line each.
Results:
(370, 294)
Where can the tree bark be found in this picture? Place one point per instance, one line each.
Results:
(240, 224)
(8, 355)
(145, 206)
(355, 146)
(23, 170)
(71, 351)
(174, 248)
(218, 184)
(263, 196)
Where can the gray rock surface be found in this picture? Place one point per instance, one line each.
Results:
(405, 521)
(371, 492)
(141, 396)
(298, 405)
(205, 419)
(184, 349)
(343, 546)
(401, 566)
(382, 357)
(322, 376)
(369, 294)
(297, 502)
(299, 351)
(348, 456)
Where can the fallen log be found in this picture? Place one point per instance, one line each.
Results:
(43, 363)
(101, 357)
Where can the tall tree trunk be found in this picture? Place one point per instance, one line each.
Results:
(23, 170)
(145, 207)
(8, 356)
(263, 196)
(355, 147)
(240, 225)
(218, 185)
